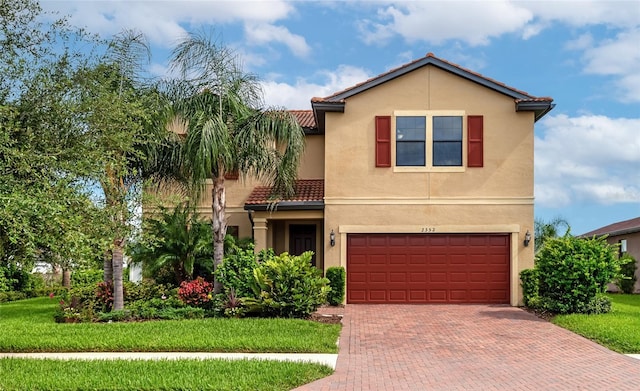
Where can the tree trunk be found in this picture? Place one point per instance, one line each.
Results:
(66, 277)
(108, 267)
(219, 225)
(118, 260)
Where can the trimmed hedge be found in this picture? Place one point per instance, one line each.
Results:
(337, 278)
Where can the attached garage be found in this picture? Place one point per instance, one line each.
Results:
(428, 268)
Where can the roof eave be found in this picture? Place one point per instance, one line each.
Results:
(540, 108)
(619, 232)
(322, 107)
(430, 60)
(287, 205)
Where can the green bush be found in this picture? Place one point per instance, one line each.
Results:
(337, 278)
(600, 304)
(530, 287)
(86, 277)
(13, 278)
(12, 296)
(572, 272)
(287, 286)
(236, 271)
(628, 267)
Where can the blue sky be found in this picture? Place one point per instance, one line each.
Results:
(584, 54)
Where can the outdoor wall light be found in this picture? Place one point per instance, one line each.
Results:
(332, 238)
(527, 238)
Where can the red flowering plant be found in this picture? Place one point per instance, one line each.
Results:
(104, 295)
(196, 293)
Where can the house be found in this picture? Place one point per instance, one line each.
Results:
(418, 181)
(626, 234)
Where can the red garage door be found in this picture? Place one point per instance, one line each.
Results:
(427, 268)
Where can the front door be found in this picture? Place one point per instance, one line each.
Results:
(302, 237)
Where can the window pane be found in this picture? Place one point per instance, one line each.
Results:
(410, 134)
(410, 141)
(447, 153)
(447, 128)
(414, 122)
(410, 153)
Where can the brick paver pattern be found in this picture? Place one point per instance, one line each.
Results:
(468, 347)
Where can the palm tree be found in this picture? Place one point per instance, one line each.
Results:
(228, 130)
(545, 230)
(117, 114)
(177, 239)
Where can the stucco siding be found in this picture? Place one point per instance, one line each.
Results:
(508, 141)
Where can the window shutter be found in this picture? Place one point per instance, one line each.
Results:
(474, 141)
(383, 141)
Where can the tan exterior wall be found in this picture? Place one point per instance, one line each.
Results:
(495, 198)
(312, 164)
(633, 249)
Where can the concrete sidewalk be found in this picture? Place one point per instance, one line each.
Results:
(326, 359)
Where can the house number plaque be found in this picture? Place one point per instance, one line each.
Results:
(427, 229)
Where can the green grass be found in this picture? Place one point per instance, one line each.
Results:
(28, 326)
(618, 330)
(36, 374)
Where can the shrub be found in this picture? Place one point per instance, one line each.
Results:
(12, 296)
(236, 271)
(626, 283)
(572, 272)
(600, 304)
(336, 277)
(146, 290)
(196, 293)
(530, 287)
(13, 278)
(287, 286)
(86, 277)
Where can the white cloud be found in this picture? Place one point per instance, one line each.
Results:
(592, 158)
(586, 12)
(163, 21)
(260, 34)
(436, 22)
(299, 94)
(618, 57)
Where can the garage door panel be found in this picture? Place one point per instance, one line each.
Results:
(379, 295)
(397, 277)
(428, 268)
(375, 259)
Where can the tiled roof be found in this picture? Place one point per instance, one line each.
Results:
(306, 190)
(620, 228)
(430, 58)
(305, 118)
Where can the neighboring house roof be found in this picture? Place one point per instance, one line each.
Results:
(615, 229)
(305, 118)
(523, 100)
(309, 194)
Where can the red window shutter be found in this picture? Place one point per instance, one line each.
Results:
(383, 141)
(474, 141)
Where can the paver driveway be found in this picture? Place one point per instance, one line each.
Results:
(469, 347)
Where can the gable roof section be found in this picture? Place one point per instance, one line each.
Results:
(523, 100)
(309, 194)
(616, 229)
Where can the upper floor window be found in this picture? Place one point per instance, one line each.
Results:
(429, 140)
(418, 140)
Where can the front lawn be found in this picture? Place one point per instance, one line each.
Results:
(618, 330)
(28, 326)
(36, 374)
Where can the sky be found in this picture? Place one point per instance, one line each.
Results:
(583, 54)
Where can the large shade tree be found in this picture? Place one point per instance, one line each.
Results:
(228, 128)
(45, 214)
